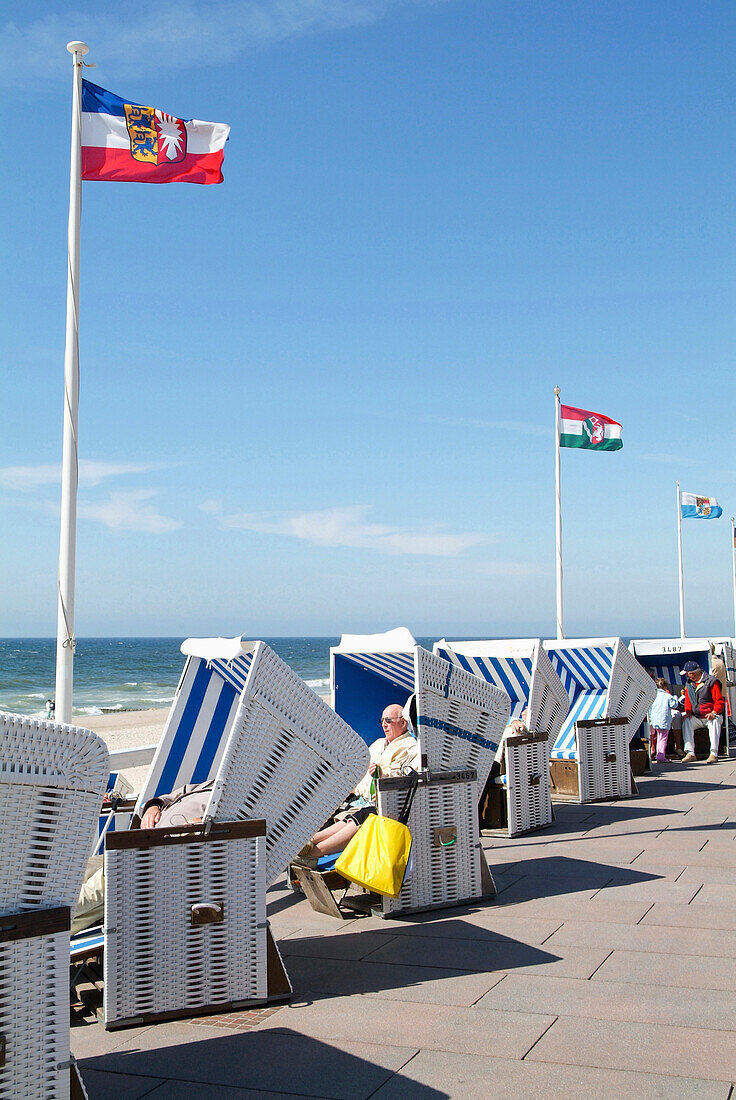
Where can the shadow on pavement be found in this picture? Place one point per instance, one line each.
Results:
(279, 1061)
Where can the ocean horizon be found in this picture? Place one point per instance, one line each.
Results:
(113, 674)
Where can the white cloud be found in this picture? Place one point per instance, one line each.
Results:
(184, 32)
(348, 526)
(26, 478)
(128, 512)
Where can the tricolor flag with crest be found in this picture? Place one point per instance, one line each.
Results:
(131, 143)
(695, 507)
(590, 430)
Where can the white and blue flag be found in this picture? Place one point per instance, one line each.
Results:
(695, 507)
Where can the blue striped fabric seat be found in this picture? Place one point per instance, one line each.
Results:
(587, 704)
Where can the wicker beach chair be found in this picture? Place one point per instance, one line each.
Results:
(609, 696)
(52, 779)
(458, 720)
(666, 657)
(185, 912)
(522, 669)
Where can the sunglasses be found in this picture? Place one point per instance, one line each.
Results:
(384, 720)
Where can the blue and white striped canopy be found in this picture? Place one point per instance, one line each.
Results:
(396, 668)
(201, 715)
(585, 671)
(512, 674)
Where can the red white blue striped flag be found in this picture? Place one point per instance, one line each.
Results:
(131, 143)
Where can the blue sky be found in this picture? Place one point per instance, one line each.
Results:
(318, 398)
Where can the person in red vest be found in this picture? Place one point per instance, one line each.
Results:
(704, 709)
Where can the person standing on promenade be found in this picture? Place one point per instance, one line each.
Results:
(704, 709)
(660, 720)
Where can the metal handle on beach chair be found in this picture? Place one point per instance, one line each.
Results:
(610, 758)
(445, 837)
(534, 780)
(207, 912)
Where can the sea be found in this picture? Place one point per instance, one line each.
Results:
(114, 674)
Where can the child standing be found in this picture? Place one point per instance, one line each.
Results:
(660, 719)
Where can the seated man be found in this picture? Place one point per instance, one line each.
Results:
(184, 806)
(391, 755)
(704, 709)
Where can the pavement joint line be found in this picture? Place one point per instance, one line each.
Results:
(538, 1039)
(641, 918)
(395, 1073)
(692, 899)
(549, 937)
(600, 964)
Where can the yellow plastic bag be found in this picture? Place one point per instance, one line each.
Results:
(376, 857)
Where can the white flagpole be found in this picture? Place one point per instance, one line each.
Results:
(733, 559)
(65, 641)
(558, 517)
(679, 559)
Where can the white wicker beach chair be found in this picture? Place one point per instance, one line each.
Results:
(522, 669)
(602, 680)
(459, 721)
(185, 913)
(52, 779)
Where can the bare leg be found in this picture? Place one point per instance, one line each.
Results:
(333, 838)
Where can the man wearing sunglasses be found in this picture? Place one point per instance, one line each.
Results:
(390, 755)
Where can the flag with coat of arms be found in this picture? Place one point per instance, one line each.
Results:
(695, 507)
(589, 430)
(134, 144)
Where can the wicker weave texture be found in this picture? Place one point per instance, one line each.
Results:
(34, 1018)
(52, 779)
(631, 692)
(155, 960)
(548, 700)
(603, 761)
(461, 718)
(290, 760)
(440, 876)
(529, 804)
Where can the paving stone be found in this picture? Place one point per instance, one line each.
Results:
(723, 876)
(494, 920)
(660, 939)
(494, 954)
(655, 889)
(403, 983)
(607, 1000)
(690, 916)
(569, 906)
(716, 896)
(272, 1060)
(123, 1086)
(486, 1078)
(686, 971)
(680, 1051)
(343, 944)
(435, 1027)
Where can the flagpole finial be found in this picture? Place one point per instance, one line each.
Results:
(77, 47)
(557, 391)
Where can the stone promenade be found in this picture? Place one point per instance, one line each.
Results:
(605, 967)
